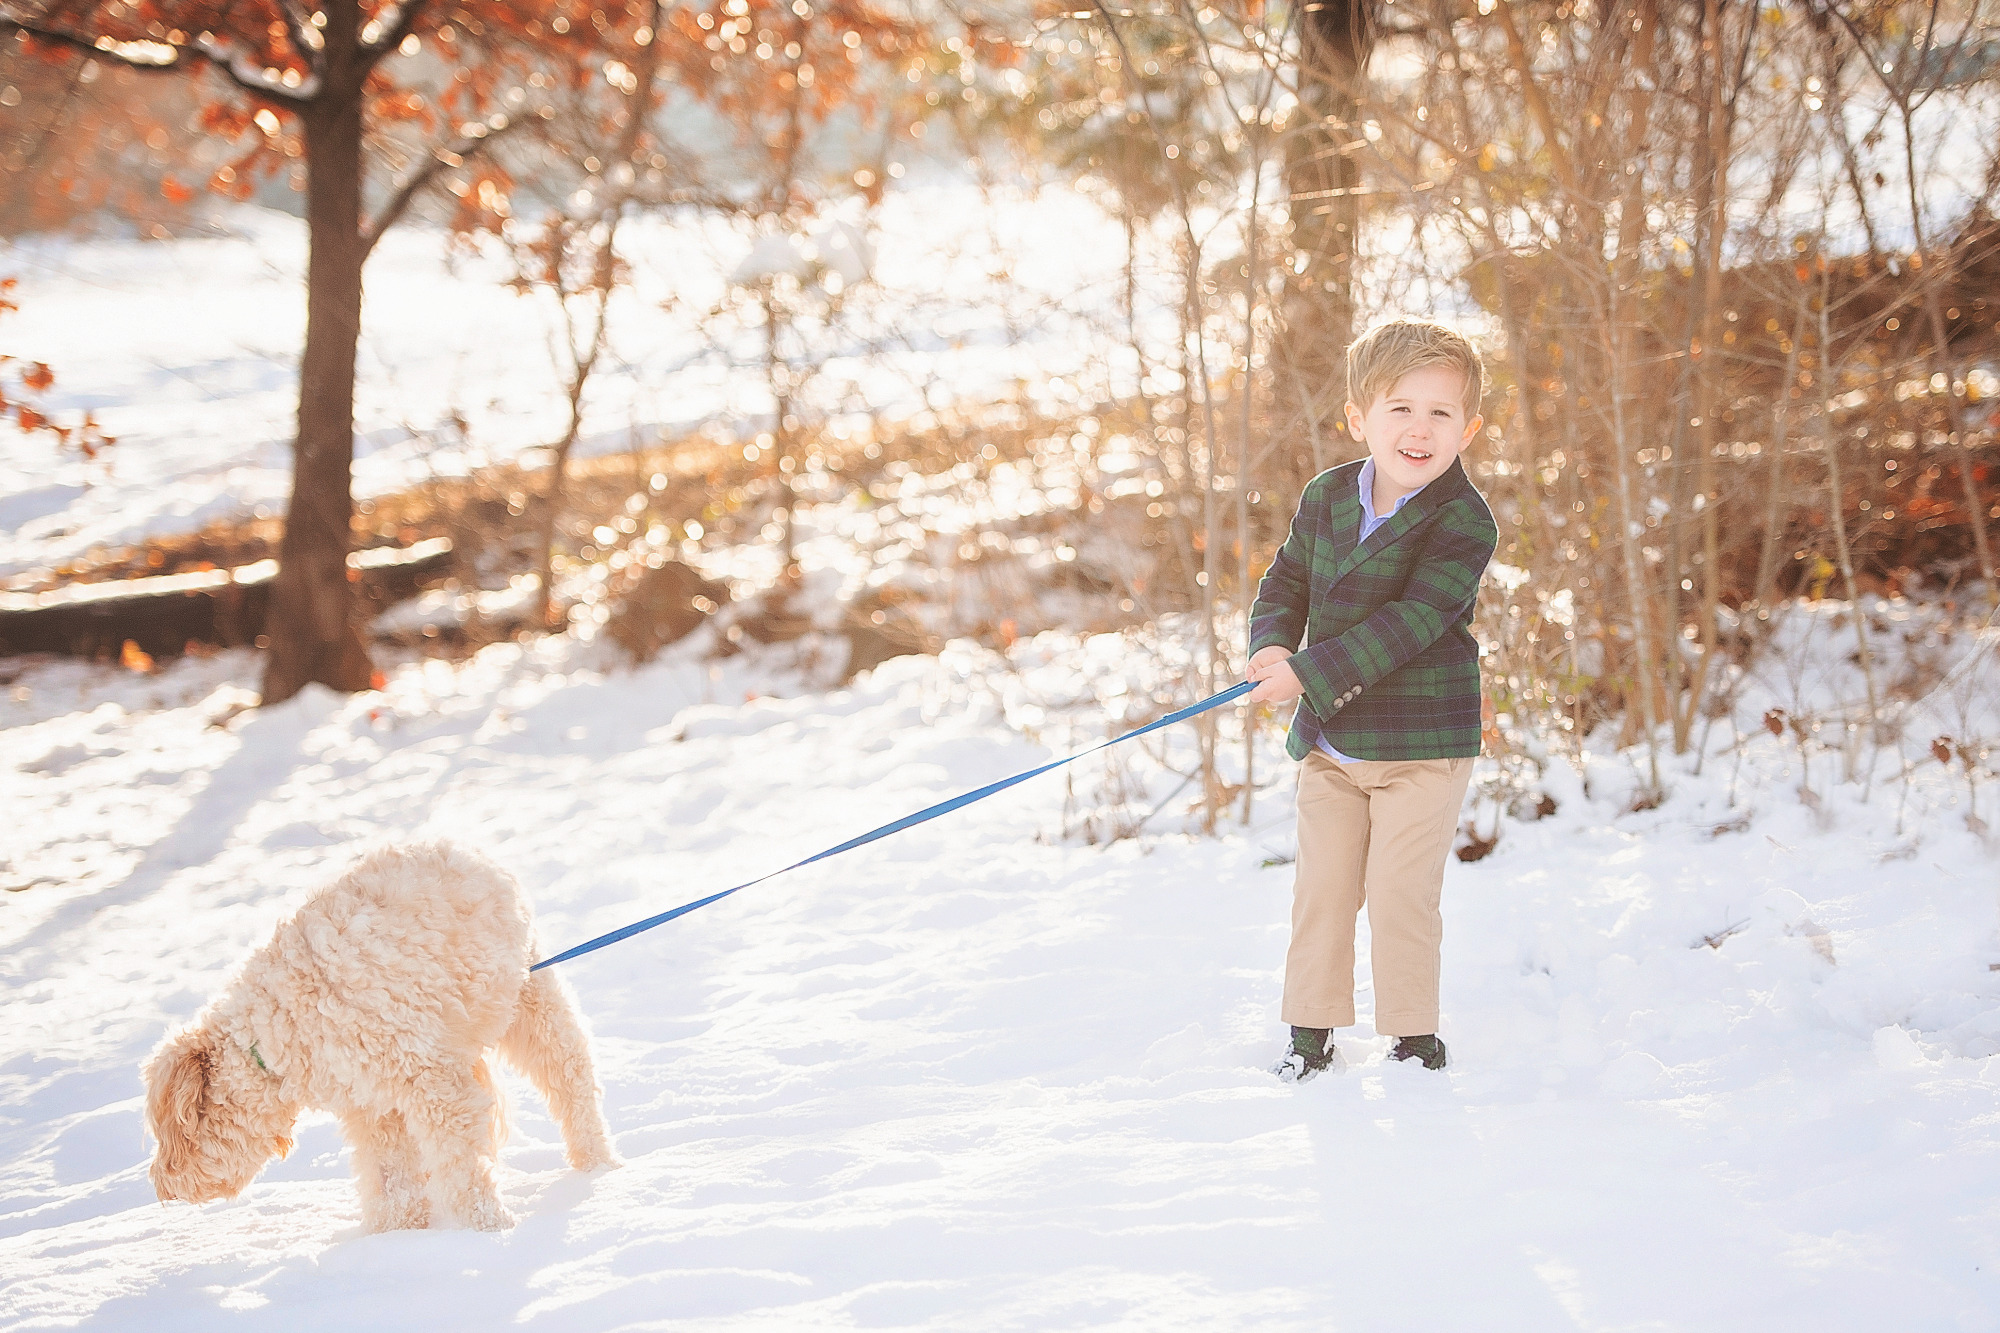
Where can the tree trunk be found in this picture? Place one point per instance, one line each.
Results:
(1935, 279)
(1836, 498)
(1621, 357)
(1781, 420)
(558, 493)
(312, 634)
(1246, 464)
(603, 281)
(1336, 40)
(1706, 363)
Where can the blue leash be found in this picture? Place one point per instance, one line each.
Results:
(907, 821)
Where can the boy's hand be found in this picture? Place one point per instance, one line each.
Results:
(1263, 657)
(1277, 683)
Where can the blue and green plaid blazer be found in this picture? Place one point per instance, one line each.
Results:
(1390, 666)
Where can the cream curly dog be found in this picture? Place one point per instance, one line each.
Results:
(382, 1000)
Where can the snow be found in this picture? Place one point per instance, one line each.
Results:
(187, 351)
(841, 248)
(452, 606)
(984, 1075)
(1726, 1063)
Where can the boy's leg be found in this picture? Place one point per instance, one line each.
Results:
(1413, 813)
(1326, 896)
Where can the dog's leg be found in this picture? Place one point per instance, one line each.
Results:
(452, 1115)
(387, 1170)
(547, 1042)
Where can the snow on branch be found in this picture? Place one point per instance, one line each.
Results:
(388, 28)
(155, 56)
(306, 38)
(243, 70)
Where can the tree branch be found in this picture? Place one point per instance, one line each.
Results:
(157, 57)
(439, 161)
(305, 38)
(242, 70)
(1538, 102)
(395, 24)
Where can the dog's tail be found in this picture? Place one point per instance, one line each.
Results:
(548, 1043)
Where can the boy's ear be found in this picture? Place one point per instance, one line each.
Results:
(1355, 421)
(1472, 427)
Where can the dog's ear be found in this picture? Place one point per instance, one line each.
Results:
(176, 1088)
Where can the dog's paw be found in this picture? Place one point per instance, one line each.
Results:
(490, 1215)
(595, 1159)
(414, 1218)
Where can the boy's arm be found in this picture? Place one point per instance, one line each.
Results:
(1278, 616)
(1443, 584)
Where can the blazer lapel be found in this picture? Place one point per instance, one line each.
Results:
(1420, 507)
(1344, 520)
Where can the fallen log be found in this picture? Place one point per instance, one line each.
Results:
(221, 608)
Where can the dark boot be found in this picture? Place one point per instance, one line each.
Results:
(1311, 1054)
(1426, 1048)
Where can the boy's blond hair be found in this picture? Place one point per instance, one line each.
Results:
(1395, 347)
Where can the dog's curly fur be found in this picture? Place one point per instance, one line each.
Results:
(383, 1000)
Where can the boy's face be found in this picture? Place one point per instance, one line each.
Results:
(1415, 430)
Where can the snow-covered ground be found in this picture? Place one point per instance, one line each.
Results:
(1726, 1063)
(982, 1076)
(187, 351)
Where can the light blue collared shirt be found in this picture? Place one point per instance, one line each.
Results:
(1370, 520)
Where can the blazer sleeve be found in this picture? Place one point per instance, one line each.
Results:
(1278, 616)
(1441, 587)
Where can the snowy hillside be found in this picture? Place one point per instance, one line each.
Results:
(187, 351)
(980, 1076)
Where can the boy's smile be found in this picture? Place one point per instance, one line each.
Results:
(1414, 431)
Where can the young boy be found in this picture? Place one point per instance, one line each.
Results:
(1379, 574)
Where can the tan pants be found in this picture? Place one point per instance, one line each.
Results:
(1375, 833)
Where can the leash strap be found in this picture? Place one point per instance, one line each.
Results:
(1234, 692)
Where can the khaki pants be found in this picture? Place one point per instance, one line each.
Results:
(1375, 833)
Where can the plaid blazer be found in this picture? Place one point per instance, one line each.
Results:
(1390, 666)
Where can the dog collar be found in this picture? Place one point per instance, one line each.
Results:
(258, 1058)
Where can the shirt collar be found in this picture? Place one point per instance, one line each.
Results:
(1366, 482)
